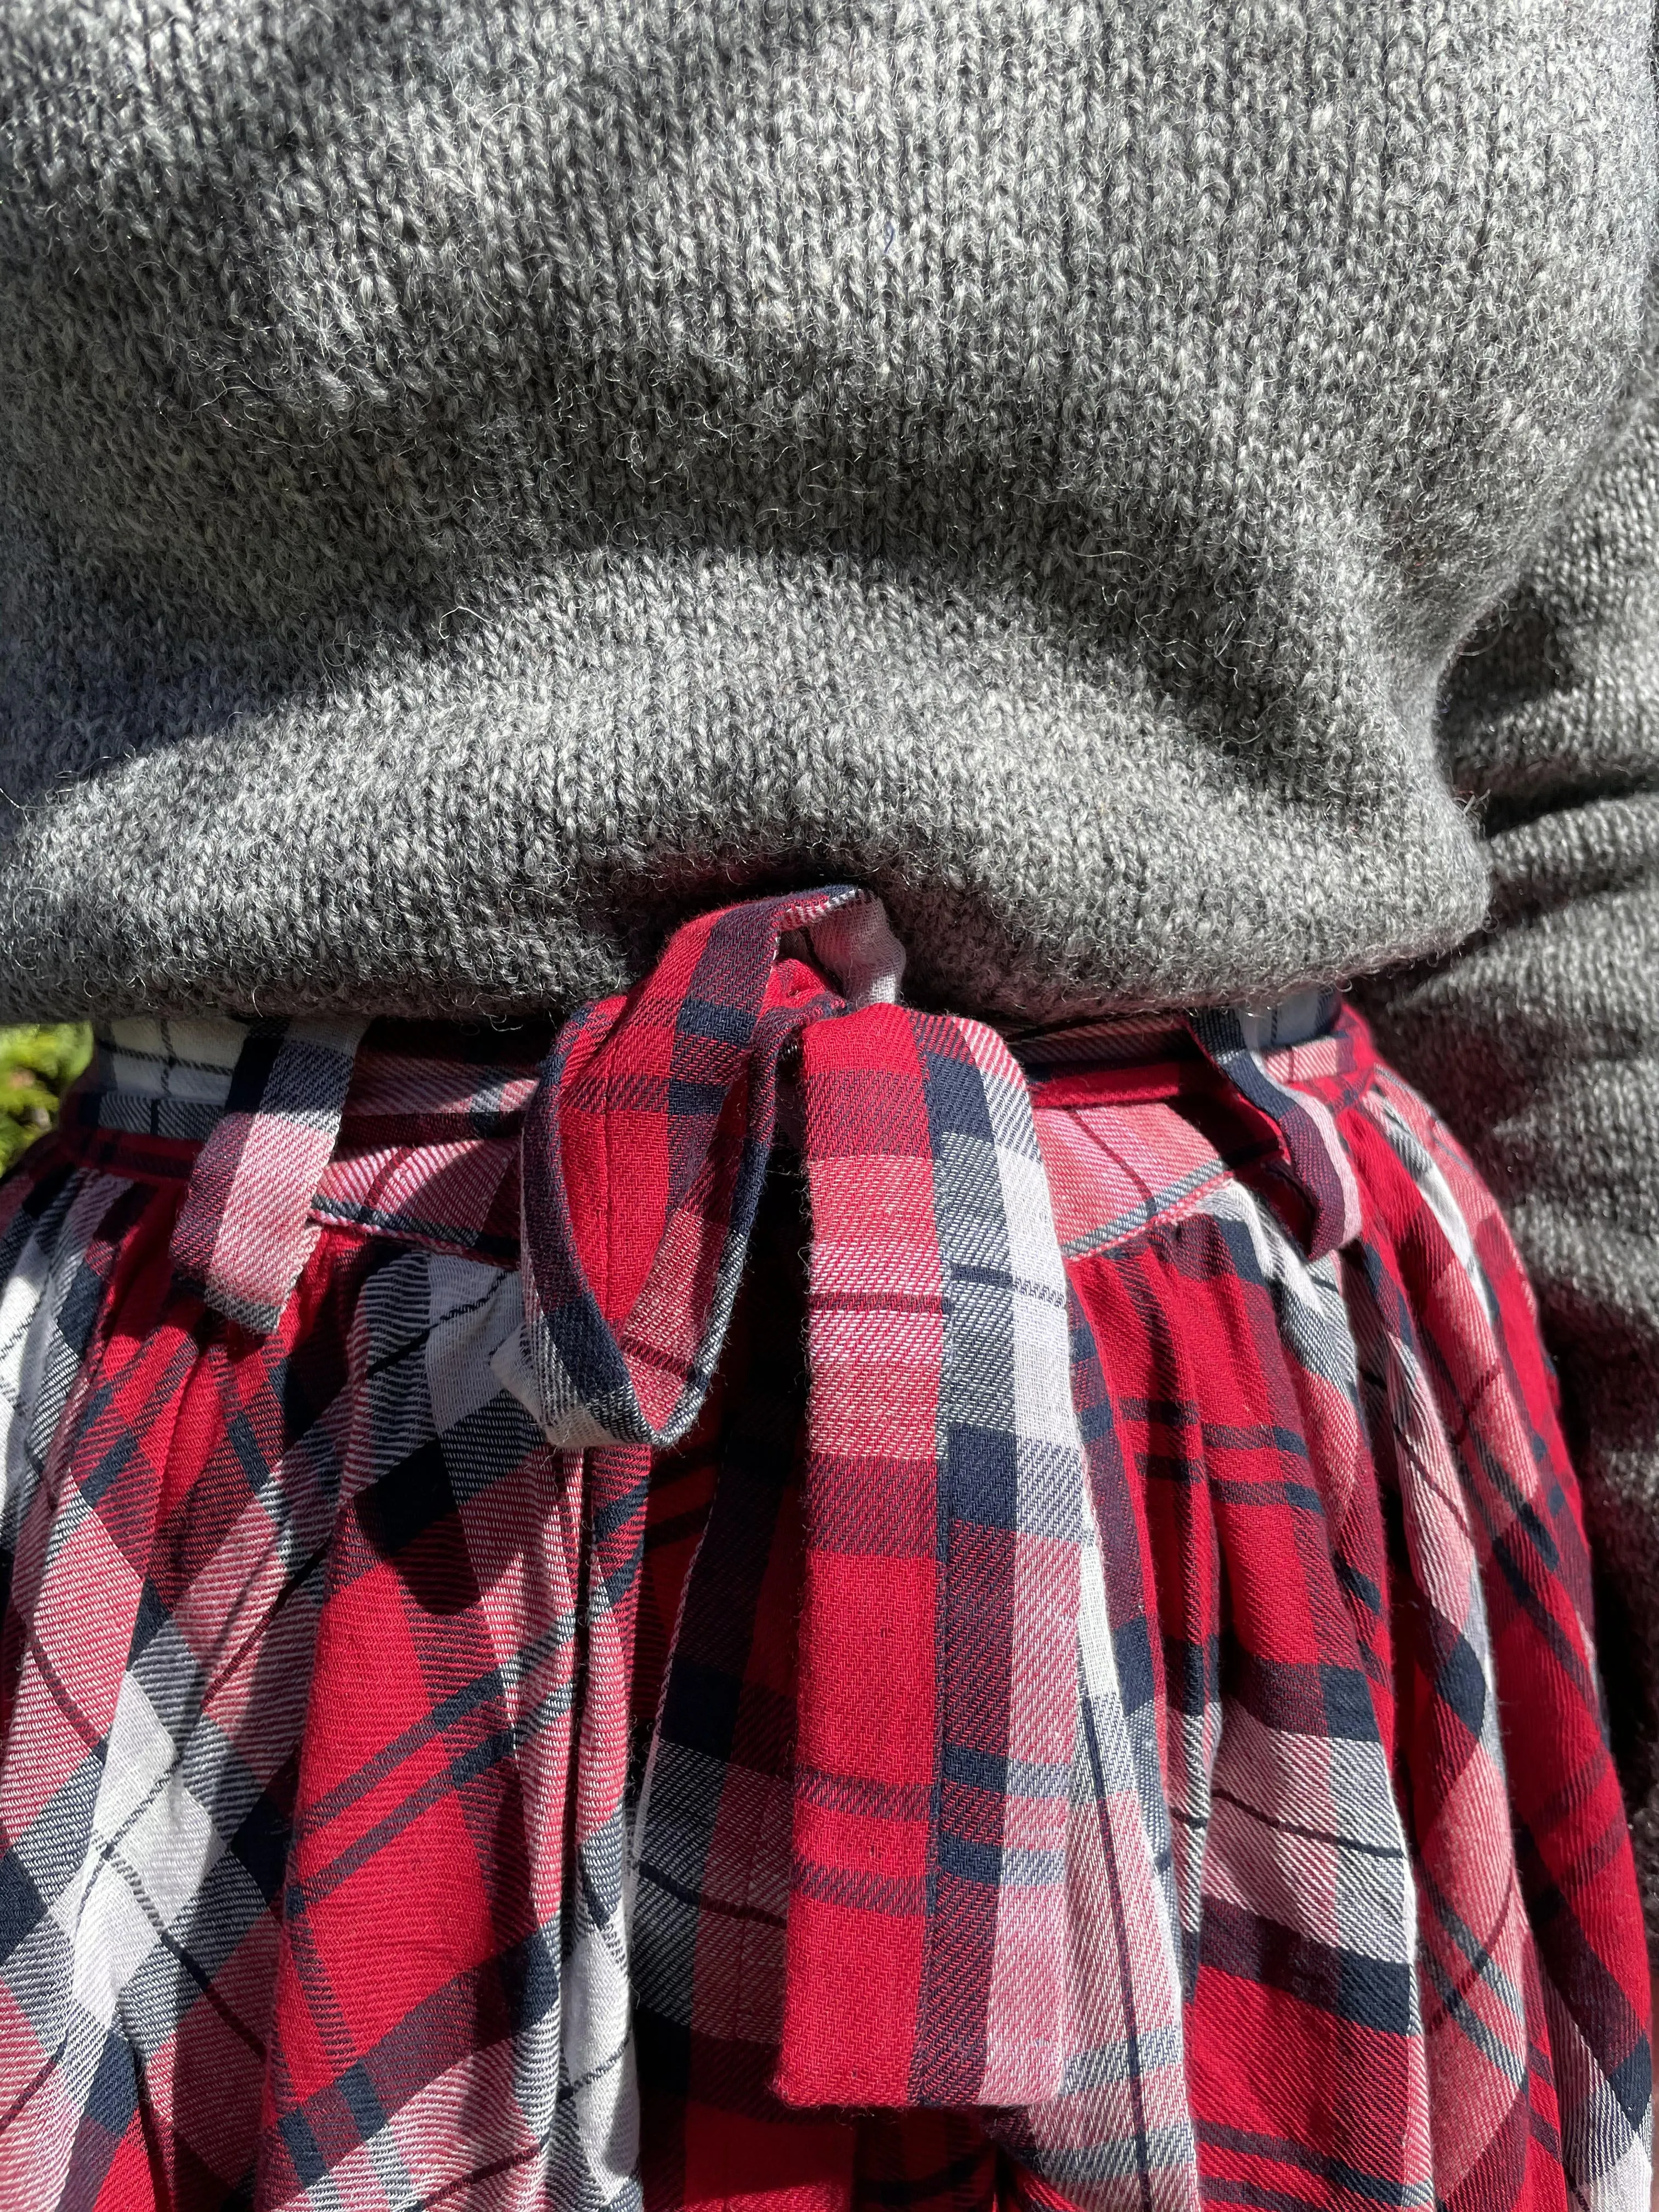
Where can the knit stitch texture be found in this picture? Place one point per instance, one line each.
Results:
(1166, 496)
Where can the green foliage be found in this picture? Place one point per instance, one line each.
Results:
(37, 1066)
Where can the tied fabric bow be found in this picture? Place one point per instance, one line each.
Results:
(979, 1910)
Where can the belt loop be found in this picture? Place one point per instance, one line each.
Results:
(243, 1233)
(1313, 1146)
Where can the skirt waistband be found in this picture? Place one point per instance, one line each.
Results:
(172, 1077)
(275, 1126)
(1136, 1039)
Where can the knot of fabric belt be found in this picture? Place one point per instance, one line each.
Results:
(939, 1747)
(980, 1860)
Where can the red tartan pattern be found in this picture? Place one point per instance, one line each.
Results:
(964, 1821)
(245, 1231)
(1357, 1533)
(327, 1687)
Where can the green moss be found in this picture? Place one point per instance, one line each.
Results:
(37, 1066)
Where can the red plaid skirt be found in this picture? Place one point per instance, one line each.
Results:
(397, 1807)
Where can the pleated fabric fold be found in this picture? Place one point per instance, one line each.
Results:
(796, 1603)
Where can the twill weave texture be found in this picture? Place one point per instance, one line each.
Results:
(637, 1688)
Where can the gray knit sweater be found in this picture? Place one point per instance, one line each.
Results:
(1168, 495)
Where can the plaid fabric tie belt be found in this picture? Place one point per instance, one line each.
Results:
(957, 1696)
